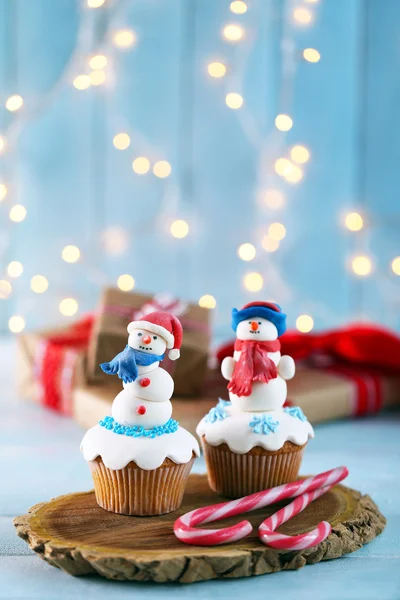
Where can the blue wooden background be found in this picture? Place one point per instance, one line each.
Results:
(62, 166)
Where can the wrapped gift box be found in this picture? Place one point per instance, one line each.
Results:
(110, 336)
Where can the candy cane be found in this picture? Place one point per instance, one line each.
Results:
(184, 527)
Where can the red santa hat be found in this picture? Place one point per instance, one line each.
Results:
(166, 326)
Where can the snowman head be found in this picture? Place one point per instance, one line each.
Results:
(256, 329)
(146, 341)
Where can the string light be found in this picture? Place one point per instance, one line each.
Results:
(233, 32)
(253, 282)
(361, 265)
(311, 55)
(238, 7)
(17, 213)
(269, 244)
(115, 240)
(2, 144)
(234, 100)
(68, 307)
(354, 221)
(5, 289)
(125, 282)
(283, 166)
(124, 38)
(207, 301)
(71, 254)
(81, 82)
(216, 69)
(39, 284)
(179, 228)
(246, 252)
(162, 169)
(3, 191)
(299, 154)
(14, 103)
(303, 16)
(276, 231)
(141, 165)
(16, 324)
(99, 61)
(283, 122)
(293, 174)
(121, 141)
(15, 268)
(304, 323)
(273, 199)
(95, 3)
(396, 265)
(97, 77)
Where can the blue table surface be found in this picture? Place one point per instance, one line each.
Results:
(40, 459)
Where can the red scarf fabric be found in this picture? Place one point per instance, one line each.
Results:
(254, 364)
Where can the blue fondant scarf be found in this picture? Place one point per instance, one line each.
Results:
(125, 364)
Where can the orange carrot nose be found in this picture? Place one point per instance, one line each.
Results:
(254, 325)
(146, 339)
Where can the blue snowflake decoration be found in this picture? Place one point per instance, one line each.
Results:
(218, 413)
(263, 424)
(138, 431)
(295, 411)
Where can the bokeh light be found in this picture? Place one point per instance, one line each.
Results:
(294, 174)
(3, 144)
(253, 281)
(124, 38)
(17, 213)
(283, 122)
(396, 265)
(276, 231)
(207, 301)
(81, 82)
(299, 154)
(39, 284)
(95, 3)
(246, 252)
(304, 323)
(14, 103)
(302, 15)
(269, 244)
(115, 240)
(238, 7)
(274, 199)
(216, 69)
(5, 289)
(3, 191)
(125, 282)
(233, 32)
(361, 265)
(234, 100)
(99, 61)
(282, 166)
(97, 77)
(68, 307)
(162, 169)
(179, 228)
(354, 221)
(141, 165)
(121, 141)
(71, 254)
(311, 55)
(16, 324)
(15, 268)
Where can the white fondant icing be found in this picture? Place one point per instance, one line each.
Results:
(237, 433)
(258, 329)
(286, 367)
(117, 450)
(146, 340)
(128, 409)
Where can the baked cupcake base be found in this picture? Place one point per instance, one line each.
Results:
(235, 475)
(140, 492)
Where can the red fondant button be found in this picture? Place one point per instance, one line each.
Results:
(141, 410)
(145, 382)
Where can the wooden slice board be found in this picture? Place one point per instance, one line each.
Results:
(73, 533)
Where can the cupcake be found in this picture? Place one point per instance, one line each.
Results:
(252, 442)
(139, 457)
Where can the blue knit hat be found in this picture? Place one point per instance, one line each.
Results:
(266, 310)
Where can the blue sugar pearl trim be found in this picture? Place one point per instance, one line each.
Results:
(137, 431)
(295, 411)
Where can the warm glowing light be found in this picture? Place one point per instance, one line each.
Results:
(3, 191)
(207, 301)
(311, 55)
(124, 38)
(216, 69)
(39, 284)
(68, 307)
(17, 213)
(162, 169)
(361, 265)
(274, 199)
(303, 16)
(354, 221)
(294, 174)
(97, 77)
(14, 103)
(5, 289)
(125, 282)
(179, 228)
(141, 165)
(253, 282)
(233, 32)
(16, 324)
(283, 122)
(81, 82)
(311, 1)
(246, 252)
(2, 144)
(238, 7)
(276, 231)
(396, 265)
(299, 154)
(269, 244)
(234, 100)
(283, 166)
(99, 61)
(71, 254)
(304, 323)
(95, 3)
(121, 141)
(15, 268)
(115, 240)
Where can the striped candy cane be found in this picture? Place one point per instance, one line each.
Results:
(184, 527)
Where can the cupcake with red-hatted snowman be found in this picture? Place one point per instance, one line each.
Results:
(252, 441)
(139, 456)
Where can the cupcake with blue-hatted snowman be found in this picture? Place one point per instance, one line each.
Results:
(139, 456)
(253, 442)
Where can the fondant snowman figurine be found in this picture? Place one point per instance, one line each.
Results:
(145, 399)
(257, 371)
